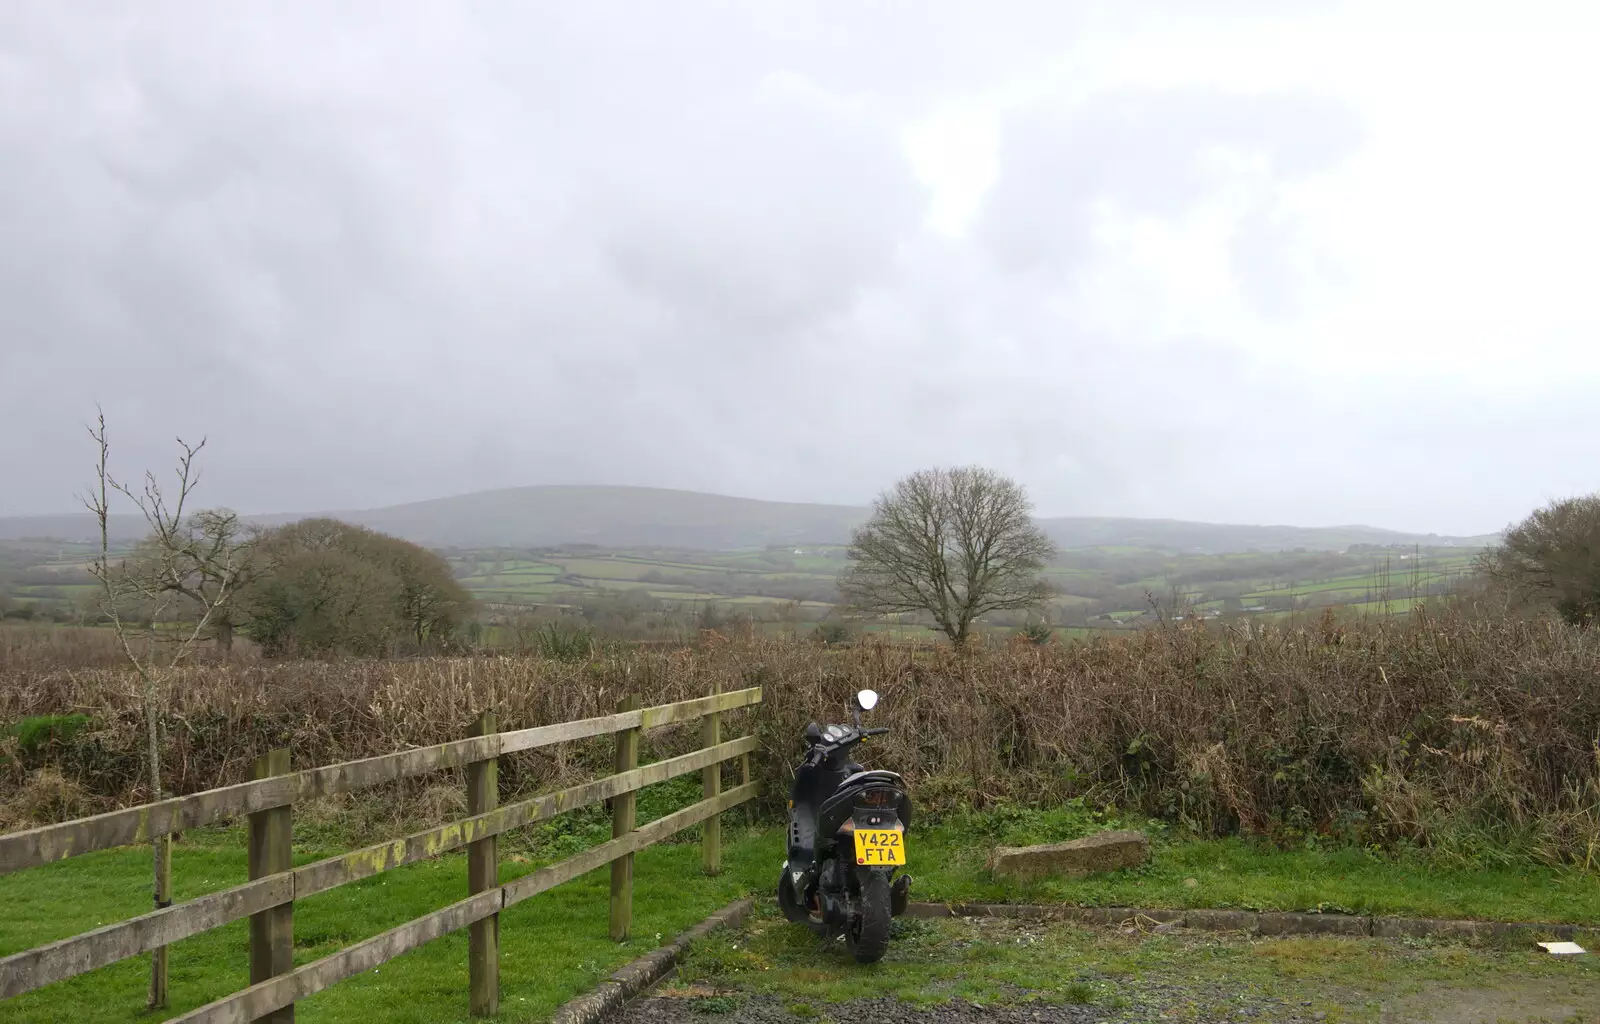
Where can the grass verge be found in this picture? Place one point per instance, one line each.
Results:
(555, 945)
(947, 862)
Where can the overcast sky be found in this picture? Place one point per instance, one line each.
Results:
(1292, 262)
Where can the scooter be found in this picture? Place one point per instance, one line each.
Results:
(847, 841)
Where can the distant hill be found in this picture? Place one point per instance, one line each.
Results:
(613, 517)
(623, 517)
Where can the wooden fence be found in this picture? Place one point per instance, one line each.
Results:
(267, 899)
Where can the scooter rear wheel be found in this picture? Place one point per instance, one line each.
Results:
(792, 908)
(868, 937)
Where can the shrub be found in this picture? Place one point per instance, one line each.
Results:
(1037, 632)
(1474, 738)
(333, 588)
(563, 643)
(43, 797)
(38, 731)
(832, 632)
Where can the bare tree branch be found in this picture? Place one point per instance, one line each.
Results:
(955, 544)
(197, 559)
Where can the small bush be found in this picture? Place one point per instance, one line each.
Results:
(46, 797)
(564, 644)
(38, 731)
(1037, 632)
(1079, 992)
(832, 633)
(716, 1004)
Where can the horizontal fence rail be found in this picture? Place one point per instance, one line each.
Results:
(273, 997)
(140, 824)
(258, 1000)
(22, 972)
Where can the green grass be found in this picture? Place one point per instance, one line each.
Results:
(947, 861)
(555, 945)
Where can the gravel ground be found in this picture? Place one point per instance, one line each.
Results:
(1017, 973)
(764, 1010)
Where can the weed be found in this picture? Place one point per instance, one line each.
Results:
(563, 643)
(46, 796)
(38, 731)
(1037, 632)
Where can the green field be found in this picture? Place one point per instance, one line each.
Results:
(1097, 588)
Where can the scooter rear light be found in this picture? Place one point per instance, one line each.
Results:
(877, 798)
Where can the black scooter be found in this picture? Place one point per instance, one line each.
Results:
(847, 830)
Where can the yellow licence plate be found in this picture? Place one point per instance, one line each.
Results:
(880, 846)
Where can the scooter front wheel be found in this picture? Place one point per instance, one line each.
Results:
(868, 937)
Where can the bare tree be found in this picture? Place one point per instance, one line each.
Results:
(952, 543)
(207, 558)
(179, 561)
(1552, 558)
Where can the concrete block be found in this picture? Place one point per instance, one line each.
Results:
(1108, 851)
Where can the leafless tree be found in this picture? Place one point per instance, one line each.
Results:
(181, 560)
(1552, 558)
(952, 543)
(207, 559)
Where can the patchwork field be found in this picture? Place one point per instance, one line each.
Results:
(1098, 588)
(1095, 587)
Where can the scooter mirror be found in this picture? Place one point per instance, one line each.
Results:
(866, 700)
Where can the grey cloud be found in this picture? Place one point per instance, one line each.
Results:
(1145, 153)
(388, 251)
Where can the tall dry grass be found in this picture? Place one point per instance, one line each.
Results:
(33, 648)
(1475, 738)
(28, 649)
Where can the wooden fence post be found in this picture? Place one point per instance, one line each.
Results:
(483, 874)
(270, 838)
(161, 848)
(711, 785)
(744, 780)
(623, 818)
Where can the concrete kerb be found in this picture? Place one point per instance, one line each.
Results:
(633, 978)
(1271, 924)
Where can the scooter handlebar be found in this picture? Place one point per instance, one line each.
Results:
(821, 750)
